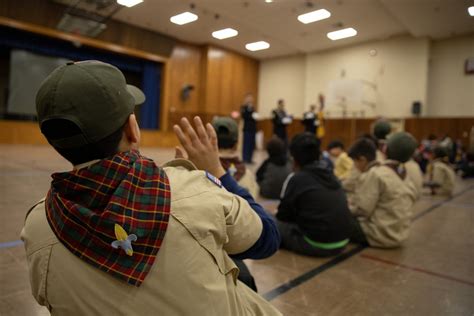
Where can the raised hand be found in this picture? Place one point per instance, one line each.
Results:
(200, 144)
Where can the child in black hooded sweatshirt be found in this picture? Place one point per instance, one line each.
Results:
(313, 215)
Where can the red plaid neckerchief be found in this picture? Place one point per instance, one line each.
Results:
(84, 205)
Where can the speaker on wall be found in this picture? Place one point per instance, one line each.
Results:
(416, 108)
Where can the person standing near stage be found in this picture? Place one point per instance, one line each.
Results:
(280, 120)
(310, 120)
(321, 131)
(248, 114)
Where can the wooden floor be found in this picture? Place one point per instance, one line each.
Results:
(432, 275)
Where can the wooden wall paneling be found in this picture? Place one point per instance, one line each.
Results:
(456, 128)
(20, 132)
(362, 126)
(229, 76)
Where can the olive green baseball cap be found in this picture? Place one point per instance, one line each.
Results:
(92, 95)
(226, 128)
(381, 129)
(401, 146)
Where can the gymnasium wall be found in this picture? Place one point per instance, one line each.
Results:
(282, 78)
(450, 90)
(403, 69)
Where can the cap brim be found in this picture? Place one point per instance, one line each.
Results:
(137, 94)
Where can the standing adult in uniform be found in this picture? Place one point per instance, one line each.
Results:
(248, 114)
(310, 120)
(280, 120)
(321, 131)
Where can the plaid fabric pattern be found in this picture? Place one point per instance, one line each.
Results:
(82, 207)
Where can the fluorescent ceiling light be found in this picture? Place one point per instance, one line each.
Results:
(184, 18)
(314, 16)
(471, 11)
(337, 35)
(129, 3)
(257, 46)
(224, 33)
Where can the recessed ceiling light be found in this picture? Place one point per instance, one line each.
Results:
(129, 3)
(314, 16)
(257, 46)
(337, 35)
(184, 18)
(224, 33)
(268, 1)
(471, 11)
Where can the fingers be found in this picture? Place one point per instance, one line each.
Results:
(203, 135)
(182, 138)
(178, 153)
(212, 135)
(190, 131)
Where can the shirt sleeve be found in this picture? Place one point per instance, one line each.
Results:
(366, 196)
(269, 241)
(286, 209)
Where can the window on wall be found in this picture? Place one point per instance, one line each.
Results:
(27, 59)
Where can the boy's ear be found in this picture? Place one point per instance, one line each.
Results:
(131, 130)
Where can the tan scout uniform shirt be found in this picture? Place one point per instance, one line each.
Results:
(192, 274)
(415, 174)
(444, 175)
(343, 166)
(384, 203)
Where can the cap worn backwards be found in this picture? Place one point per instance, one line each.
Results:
(92, 95)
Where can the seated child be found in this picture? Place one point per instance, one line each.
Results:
(274, 170)
(342, 163)
(415, 174)
(227, 136)
(313, 216)
(441, 175)
(383, 198)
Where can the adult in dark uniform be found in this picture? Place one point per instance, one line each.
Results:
(249, 115)
(310, 120)
(280, 120)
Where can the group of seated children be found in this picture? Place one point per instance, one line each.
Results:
(364, 195)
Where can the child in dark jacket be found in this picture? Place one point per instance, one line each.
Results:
(313, 216)
(274, 170)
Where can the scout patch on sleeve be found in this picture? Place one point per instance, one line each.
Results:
(214, 179)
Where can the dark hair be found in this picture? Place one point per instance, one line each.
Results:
(277, 151)
(60, 128)
(363, 147)
(224, 138)
(276, 147)
(440, 152)
(305, 149)
(335, 144)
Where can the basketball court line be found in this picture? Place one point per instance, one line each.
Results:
(285, 287)
(413, 268)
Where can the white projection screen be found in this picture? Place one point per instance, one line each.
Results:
(27, 72)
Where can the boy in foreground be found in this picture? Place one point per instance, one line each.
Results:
(120, 235)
